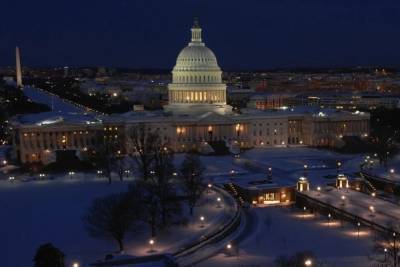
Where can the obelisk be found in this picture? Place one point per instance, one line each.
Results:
(18, 69)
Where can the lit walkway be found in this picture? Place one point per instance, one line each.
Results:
(367, 207)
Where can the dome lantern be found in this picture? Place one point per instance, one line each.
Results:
(196, 33)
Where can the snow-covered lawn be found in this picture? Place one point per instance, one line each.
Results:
(38, 212)
(286, 163)
(277, 231)
(50, 211)
(390, 172)
(362, 205)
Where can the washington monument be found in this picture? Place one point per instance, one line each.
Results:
(18, 70)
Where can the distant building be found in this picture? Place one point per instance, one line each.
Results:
(350, 101)
(265, 101)
(197, 112)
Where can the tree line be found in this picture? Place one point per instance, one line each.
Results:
(155, 198)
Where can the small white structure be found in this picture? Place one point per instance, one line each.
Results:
(342, 181)
(303, 184)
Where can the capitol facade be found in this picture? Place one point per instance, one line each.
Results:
(197, 117)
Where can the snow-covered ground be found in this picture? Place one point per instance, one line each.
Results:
(50, 211)
(38, 212)
(286, 163)
(389, 172)
(370, 208)
(277, 231)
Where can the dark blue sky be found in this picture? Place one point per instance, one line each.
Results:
(250, 34)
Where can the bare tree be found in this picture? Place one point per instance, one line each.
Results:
(389, 244)
(106, 154)
(192, 178)
(149, 202)
(112, 217)
(49, 256)
(119, 166)
(162, 181)
(143, 142)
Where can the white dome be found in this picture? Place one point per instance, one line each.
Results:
(196, 85)
(196, 57)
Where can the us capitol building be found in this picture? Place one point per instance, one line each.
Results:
(197, 117)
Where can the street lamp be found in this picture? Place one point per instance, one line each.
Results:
(385, 250)
(151, 243)
(229, 249)
(202, 221)
(270, 173)
(372, 209)
(338, 166)
(218, 202)
(308, 262)
(11, 179)
(329, 219)
(319, 190)
(75, 264)
(343, 200)
(358, 229)
(209, 188)
(305, 166)
(373, 195)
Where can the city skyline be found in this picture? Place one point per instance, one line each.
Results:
(257, 36)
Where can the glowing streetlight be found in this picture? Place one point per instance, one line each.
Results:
(329, 219)
(151, 243)
(209, 188)
(11, 179)
(229, 246)
(308, 262)
(218, 202)
(358, 229)
(385, 250)
(319, 190)
(202, 221)
(75, 264)
(372, 209)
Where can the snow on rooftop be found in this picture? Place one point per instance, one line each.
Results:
(53, 101)
(52, 117)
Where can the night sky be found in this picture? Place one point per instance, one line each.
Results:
(247, 34)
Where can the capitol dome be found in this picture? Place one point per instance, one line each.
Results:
(196, 78)
(196, 58)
